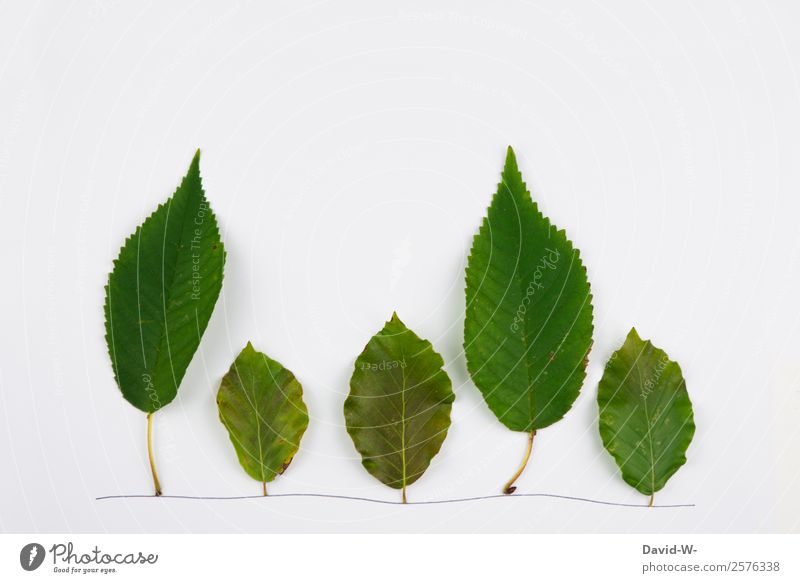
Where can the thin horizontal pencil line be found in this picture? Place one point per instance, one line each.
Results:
(397, 503)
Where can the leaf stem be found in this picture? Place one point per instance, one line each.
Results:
(509, 488)
(650, 504)
(150, 453)
(405, 500)
(265, 487)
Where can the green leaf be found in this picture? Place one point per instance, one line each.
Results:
(398, 409)
(161, 293)
(646, 419)
(261, 405)
(528, 326)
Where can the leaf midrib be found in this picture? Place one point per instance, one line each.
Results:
(525, 340)
(166, 296)
(403, 422)
(258, 428)
(528, 365)
(649, 426)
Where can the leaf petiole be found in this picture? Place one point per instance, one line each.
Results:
(510, 488)
(156, 484)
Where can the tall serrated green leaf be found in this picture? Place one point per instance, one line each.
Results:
(261, 405)
(646, 419)
(398, 409)
(160, 296)
(528, 326)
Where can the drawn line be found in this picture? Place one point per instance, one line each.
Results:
(396, 503)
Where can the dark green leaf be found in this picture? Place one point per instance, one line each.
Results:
(161, 293)
(261, 405)
(398, 410)
(646, 419)
(528, 327)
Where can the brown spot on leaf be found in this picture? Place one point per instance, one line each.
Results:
(285, 465)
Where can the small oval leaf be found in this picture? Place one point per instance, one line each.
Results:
(646, 419)
(398, 409)
(161, 293)
(261, 405)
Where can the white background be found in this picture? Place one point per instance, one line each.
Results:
(350, 151)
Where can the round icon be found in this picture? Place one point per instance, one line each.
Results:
(31, 556)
